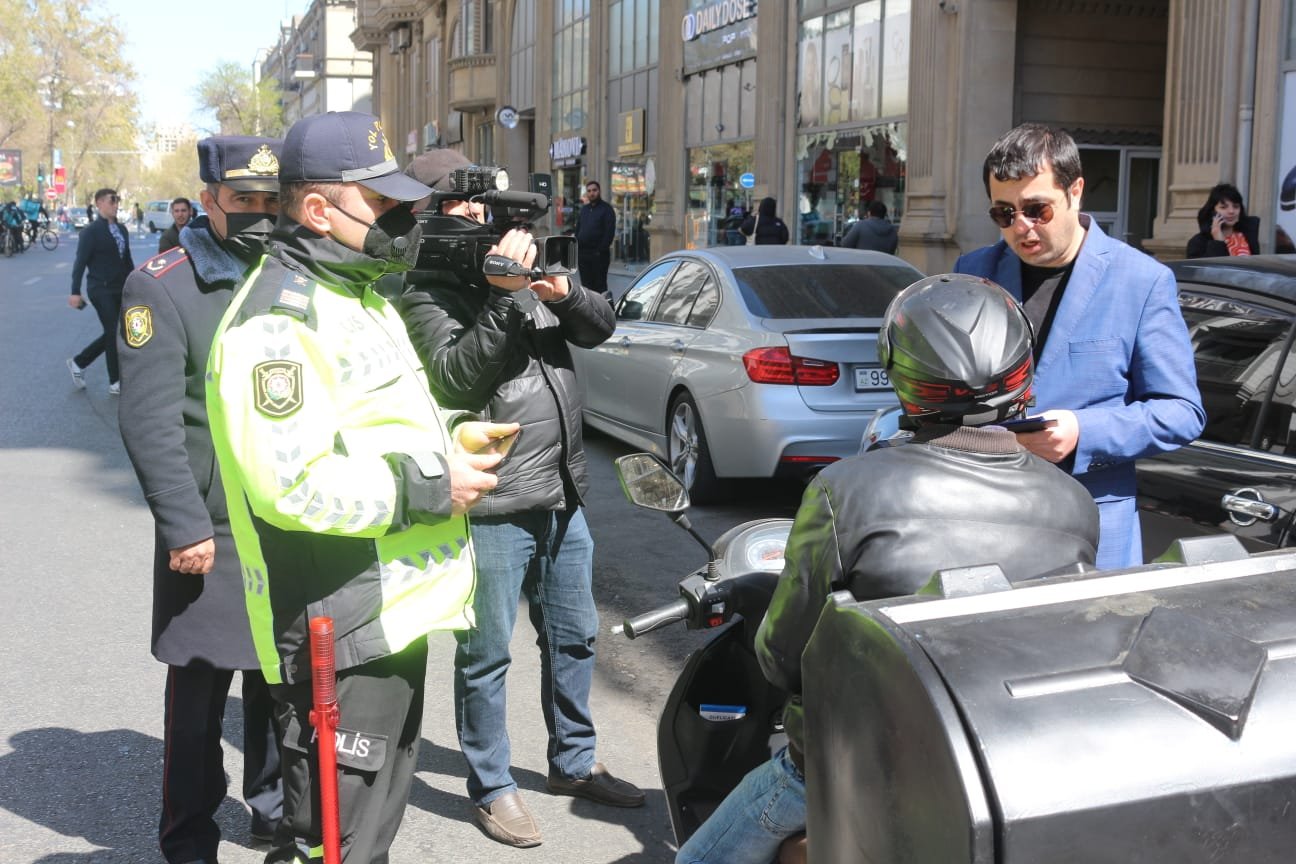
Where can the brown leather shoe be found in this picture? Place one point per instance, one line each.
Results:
(508, 820)
(599, 786)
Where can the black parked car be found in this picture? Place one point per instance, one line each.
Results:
(1240, 475)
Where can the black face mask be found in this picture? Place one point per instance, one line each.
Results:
(392, 238)
(248, 234)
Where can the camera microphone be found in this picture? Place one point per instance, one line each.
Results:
(520, 200)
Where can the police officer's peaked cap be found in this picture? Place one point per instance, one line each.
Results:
(345, 147)
(433, 167)
(241, 162)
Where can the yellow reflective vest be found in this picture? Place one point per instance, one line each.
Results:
(310, 388)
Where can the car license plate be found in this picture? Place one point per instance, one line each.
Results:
(871, 378)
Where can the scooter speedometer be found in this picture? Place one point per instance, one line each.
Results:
(759, 547)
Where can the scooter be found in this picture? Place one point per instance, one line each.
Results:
(722, 717)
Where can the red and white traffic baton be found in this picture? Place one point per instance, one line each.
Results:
(324, 717)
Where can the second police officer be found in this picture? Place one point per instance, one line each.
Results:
(171, 306)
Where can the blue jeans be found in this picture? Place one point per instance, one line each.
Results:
(548, 557)
(762, 811)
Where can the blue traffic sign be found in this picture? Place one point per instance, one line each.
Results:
(747, 181)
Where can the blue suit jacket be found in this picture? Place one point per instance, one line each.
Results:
(1118, 355)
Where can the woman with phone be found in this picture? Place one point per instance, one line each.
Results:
(1226, 229)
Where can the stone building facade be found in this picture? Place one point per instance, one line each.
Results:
(688, 111)
(317, 66)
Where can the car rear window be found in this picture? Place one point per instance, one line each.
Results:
(821, 291)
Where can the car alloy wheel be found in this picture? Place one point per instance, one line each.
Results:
(687, 450)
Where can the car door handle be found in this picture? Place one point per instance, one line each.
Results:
(625, 341)
(1241, 505)
(677, 347)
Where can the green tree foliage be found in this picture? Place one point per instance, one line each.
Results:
(240, 106)
(173, 176)
(65, 84)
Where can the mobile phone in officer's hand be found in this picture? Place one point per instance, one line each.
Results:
(1028, 424)
(503, 446)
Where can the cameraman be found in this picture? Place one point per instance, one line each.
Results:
(499, 346)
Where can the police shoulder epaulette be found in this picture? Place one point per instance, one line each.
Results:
(164, 261)
(294, 295)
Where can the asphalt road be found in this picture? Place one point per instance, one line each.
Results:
(80, 726)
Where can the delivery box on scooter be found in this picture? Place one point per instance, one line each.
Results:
(1143, 715)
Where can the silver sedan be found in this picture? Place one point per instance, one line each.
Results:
(746, 361)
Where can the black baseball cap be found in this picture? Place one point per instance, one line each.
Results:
(242, 162)
(345, 147)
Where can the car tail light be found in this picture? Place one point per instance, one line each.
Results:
(781, 366)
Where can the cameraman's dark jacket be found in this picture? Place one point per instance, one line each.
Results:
(484, 354)
(880, 524)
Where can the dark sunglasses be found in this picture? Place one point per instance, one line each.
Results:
(1037, 213)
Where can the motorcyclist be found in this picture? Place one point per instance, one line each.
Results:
(961, 492)
(11, 219)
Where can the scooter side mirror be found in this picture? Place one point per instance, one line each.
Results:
(648, 483)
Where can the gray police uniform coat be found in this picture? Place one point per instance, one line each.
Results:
(169, 316)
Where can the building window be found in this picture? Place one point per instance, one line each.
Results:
(432, 86)
(854, 62)
(522, 64)
(570, 66)
(486, 144)
(473, 33)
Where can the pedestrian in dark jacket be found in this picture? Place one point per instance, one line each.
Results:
(103, 258)
(181, 212)
(595, 231)
(1225, 227)
(503, 349)
(173, 304)
(767, 227)
(874, 232)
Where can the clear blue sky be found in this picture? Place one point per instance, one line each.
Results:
(173, 45)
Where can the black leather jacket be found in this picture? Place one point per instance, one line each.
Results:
(879, 525)
(485, 353)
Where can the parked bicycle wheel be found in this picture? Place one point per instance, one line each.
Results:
(7, 242)
(49, 239)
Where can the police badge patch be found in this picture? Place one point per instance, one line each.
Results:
(278, 386)
(139, 326)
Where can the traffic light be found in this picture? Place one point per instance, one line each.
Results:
(40, 173)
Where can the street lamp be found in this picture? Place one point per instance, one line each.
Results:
(258, 59)
(53, 102)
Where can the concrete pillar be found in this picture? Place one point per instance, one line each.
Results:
(1200, 138)
(961, 72)
(666, 233)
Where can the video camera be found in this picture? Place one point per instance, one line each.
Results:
(459, 244)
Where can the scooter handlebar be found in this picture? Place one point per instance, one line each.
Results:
(659, 617)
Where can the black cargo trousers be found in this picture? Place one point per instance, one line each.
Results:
(379, 728)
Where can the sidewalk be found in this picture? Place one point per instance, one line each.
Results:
(619, 280)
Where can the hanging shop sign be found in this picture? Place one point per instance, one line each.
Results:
(566, 151)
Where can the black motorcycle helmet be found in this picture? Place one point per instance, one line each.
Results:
(958, 350)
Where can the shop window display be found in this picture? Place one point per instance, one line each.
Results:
(715, 197)
(839, 173)
(853, 78)
(633, 204)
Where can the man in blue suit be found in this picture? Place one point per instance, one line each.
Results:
(1114, 366)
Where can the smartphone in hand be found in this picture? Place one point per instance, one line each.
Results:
(1028, 424)
(503, 446)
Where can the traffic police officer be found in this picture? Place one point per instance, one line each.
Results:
(171, 306)
(346, 491)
